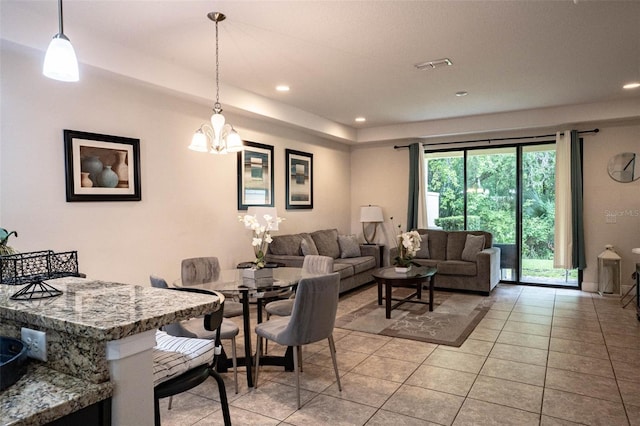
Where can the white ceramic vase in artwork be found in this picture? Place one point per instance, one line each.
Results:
(85, 180)
(121, 169)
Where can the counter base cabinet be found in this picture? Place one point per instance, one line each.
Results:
(98, 414)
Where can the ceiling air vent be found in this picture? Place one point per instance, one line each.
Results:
(429, 65)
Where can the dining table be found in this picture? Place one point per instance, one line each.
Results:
(233, 284)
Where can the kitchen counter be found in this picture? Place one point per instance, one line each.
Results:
(91, 328)
(43, 395)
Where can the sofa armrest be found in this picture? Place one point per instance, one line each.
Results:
(288, 260)
(371, 250)
(488, 263)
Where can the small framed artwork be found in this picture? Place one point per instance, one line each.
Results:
(255, 175)
(299, 179)
(101, 167)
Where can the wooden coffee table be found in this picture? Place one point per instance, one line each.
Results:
(415, 278)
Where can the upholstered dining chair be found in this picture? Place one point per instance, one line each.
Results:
(182, 363)
(313, 264)
(312, 319)
(198, 270)
(194, 328)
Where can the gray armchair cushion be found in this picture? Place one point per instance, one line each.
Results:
(327, 242)
(349, 246)
(474, 244)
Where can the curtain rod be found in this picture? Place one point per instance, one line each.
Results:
(596, 130)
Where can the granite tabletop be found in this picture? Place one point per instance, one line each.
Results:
(103, 310)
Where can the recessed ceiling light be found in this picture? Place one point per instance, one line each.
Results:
(633, 85)
(282, 88)
(462, 93)
(360, 119)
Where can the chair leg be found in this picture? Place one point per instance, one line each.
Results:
(170, 402)
(300, 358)
(255, 380)
(156, 411)
(223, 397)
(234, 359)
(332, 349)
(295, 367)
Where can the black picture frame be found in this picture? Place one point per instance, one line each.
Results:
(299, 179)
(255, 176)
(101, 167)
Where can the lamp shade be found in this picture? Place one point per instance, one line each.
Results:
(260, 212)
(371, 214)
(60, 62)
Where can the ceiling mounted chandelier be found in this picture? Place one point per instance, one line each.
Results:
(60, 62)
(219, 137)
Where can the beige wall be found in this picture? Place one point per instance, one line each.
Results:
(188, 205)
(380, 176)
(189, 200)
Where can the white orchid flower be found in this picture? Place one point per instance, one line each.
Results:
(256, 242)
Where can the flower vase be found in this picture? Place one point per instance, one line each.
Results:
(93, 166)
(108, 178)
(122, 169)
(257, 273)
(85, 180)
(403, 269)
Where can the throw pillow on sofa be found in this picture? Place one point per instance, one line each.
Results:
(423, 253)
(307, 246)
(472, 246)
(327, 242)
(349, 246)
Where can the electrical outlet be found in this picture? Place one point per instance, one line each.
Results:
(36, 342)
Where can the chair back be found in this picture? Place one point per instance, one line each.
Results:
(198, 270)
(314, 310)
(316, 264)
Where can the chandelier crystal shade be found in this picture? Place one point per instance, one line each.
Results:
(60, 62)
(220, 137)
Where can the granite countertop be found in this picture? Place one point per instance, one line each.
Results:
(43, 395)
(78, 324)
(103, 310)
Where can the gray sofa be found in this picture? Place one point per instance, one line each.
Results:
(355, 262)
(475, 268)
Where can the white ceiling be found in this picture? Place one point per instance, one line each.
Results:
(344, 59)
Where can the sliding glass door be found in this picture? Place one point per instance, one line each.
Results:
(538, 214)
(508, 191)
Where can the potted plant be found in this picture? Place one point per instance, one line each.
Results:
(260, 242)
(408, 244)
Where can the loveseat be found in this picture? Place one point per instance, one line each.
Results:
(355, 262)
(466, 260)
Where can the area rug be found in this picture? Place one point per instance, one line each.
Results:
(454, 317)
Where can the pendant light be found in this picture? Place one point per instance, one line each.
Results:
(60, 62)
(219, 137)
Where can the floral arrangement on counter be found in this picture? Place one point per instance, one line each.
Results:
(261, 235)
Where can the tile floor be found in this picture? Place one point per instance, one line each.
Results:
(540, 356)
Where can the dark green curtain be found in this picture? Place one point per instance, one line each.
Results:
(414, 185)
(578, 256)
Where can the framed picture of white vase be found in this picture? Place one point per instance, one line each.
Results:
(101, 167)
(299, 179)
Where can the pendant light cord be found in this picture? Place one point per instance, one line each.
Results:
(217, 105)
(60, 25)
